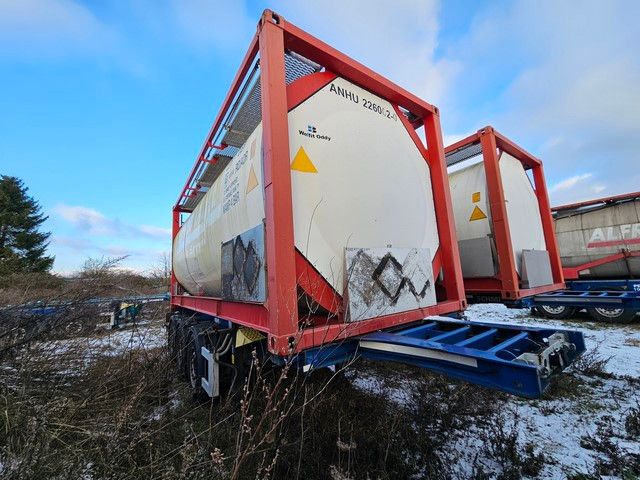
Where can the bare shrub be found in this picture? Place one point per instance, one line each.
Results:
(632, 422)
(613, 460)
(592, 364)
(41, 306)
(506, 457)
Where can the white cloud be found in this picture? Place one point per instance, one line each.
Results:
(569, 183)
(71, 251)
(561, 80)
(87, 219)
(213, 24)
(155, 231)
(96, 223)
(51, 28)
(397, 39)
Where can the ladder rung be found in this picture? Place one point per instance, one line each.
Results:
(476, 339)
(509, 342)
(420, 330)
(451, 336)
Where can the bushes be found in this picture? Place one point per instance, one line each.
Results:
(127, 416)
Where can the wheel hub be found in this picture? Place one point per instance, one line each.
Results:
(610, 312)
(555, 310)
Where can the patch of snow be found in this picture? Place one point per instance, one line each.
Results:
(366, 382)
(173, 403)
(80, 351)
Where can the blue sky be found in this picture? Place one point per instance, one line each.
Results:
(105, 103)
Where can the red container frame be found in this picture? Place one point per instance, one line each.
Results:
(287, 269)
(506, 283)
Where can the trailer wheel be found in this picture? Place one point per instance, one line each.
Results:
(194, 365)
(181, 345)
(558, 312)
(172, 337)
(612, 315)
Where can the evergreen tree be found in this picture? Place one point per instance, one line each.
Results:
(22, 246)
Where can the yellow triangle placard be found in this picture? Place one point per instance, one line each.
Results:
(252, 182)
(477, 214)
(303, 163)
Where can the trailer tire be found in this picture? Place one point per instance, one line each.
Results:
(557, 312)
(180, 345)
(612, 315)
(172, 337)
(194, 363)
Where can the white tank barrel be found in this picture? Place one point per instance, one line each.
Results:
(597, 230)
(473, 216)
(358, 180)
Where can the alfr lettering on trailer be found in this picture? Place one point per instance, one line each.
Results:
(628, 233)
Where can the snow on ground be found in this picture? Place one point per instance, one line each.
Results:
(559, 425)
(556, 426)
(106, 342)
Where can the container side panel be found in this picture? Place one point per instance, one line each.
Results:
(233, 205)
(470, 202)
(525, 224)
(358, 179)
(382, 281)
(478, 257)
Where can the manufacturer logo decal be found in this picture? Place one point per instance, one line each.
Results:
(312, 132)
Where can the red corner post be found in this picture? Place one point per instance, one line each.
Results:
(175, 227)
(507, 272)
(449, 253)
(280, 247)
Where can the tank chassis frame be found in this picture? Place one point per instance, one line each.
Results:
(505, 285)
(287, 269)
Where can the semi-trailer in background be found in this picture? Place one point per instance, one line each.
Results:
(599, 244)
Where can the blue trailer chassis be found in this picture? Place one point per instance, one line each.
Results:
(589, 294)
(516, 359)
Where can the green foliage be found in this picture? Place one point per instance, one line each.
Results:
(22, 245)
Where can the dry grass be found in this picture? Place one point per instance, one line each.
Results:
(67, 414)
(72, 409)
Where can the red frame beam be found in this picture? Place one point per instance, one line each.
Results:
(506, 283)
(282, 300)
(613, 199)
(573, 273)
(287, 269)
